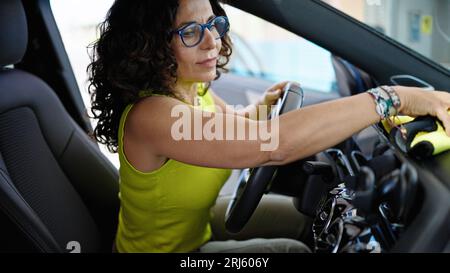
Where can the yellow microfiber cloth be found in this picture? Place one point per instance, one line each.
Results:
(425, 136)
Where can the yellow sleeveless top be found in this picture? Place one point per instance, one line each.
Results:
(168, 209)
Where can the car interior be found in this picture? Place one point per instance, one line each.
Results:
(56, 186)
(364, 195)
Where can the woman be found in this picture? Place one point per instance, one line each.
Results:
(154, 56)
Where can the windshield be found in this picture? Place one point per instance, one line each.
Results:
(422, 25)
(267, 51)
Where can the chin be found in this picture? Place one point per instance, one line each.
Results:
(205, 77)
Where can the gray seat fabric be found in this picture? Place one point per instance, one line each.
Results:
(56, 187)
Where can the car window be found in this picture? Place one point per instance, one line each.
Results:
(423, 26)
(262, 49)
(77, 21)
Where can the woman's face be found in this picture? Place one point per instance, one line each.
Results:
(198, 63)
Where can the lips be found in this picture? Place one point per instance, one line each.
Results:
(208, 62)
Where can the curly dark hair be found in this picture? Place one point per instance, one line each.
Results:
(133, 54)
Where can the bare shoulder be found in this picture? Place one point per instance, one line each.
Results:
(154, 104)
(149, 114)
(141, 130)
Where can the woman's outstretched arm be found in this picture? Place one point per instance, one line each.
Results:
(301, 133)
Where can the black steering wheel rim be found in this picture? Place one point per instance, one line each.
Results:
(250, 190)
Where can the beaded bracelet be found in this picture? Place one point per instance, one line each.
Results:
(387, 106)
(393, 95)
(384, 103)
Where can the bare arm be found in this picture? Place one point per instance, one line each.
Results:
(315, 128)
(302, 132)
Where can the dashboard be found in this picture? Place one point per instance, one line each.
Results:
(378, 203)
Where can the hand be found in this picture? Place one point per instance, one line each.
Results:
(272, 94)
(418, 102)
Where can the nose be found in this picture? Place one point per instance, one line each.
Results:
(208, 40)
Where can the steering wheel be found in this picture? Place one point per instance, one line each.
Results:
(255, 182)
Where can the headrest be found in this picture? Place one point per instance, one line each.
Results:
(13, 32)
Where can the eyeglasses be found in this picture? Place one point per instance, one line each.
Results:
(192, 34)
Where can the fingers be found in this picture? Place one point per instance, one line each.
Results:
(443, 96)
(272, 96)
(279, 85)
(274, 93)
(444, 116)
(442, 112)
